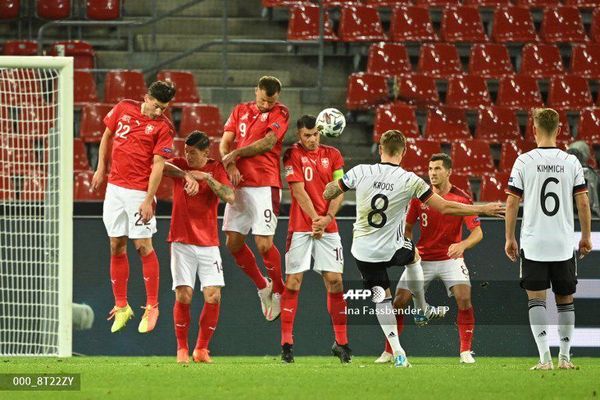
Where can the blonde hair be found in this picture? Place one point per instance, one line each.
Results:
(546, 119)
(393, 142)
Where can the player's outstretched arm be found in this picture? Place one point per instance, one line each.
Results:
(259, 147)
(332, 190)
(454, 208)
(511, 248)
(456, 250)
(585, 221)
(103, 159)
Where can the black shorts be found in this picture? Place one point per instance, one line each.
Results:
(375, 273)
(538, 275)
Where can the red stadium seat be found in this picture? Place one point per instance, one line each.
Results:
(165, 189)
(564, 134)
(513, 24)
(10, 9)
(19, 48)
(179, 147)
(510, 151)
(7, 187)
(418, 154)
(595, 30)
(487, 3)
(365, 91)
(282, 3)
(436, 3)
(34, 187)
(493, 187)
(585, 60)
(541, 61)
(203, 117)
(91, 127)
(214, 152)
(589, 125)
(21, 87)
(84, 88)
(583, 3)
(462, 24)
(36, 119)
(562, 25)
(184, 82)
(439, 60)
(124, 84)
(472, 157)
(53, 9)
(103, 9)
(569, 93)
(304, 24)
(419, 90)
(412, 24)
(387, 3)
(360, 24)
(395, 116)
(497, 124)
(490, 60)
(82, 189)
(462, 182)
(19, 153)
(82, 52)
(519, 92)
(467, 92)
(446, 124)
(388, 59)
(80, 158)
(538, 3)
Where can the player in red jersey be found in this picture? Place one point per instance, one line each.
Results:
(137, 140)
(251, 148)
(441, 248)
(313, 233)
(194, 239)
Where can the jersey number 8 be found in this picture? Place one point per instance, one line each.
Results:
(378, 211)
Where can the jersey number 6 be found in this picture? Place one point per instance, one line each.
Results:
(544, 196)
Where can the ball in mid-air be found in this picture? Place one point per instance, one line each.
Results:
(331, 122)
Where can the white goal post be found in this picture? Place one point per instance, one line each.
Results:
(36, 206)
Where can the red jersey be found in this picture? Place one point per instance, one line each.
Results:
(137, 139)
(249, 125)
(194, 218)
(315, 169)
(439, 231)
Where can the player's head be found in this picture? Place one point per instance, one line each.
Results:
(196, 149)
(158, 97)
(307, 132)
(392, 144)
(545, 123)
(267, 93)
(440, 169)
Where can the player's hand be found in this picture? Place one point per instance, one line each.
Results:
(317, 234)
(511, 248)
(191, 186)
(456, 250)
(234, 175)
(146, 211)
(494, 209)
(585, 247)
(98, 180)
(229, 158)
(321, 222)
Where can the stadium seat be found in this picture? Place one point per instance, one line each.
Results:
(472, 157)
(419, 90)
(412, 24)
(562, 25)
(487, 3)
(84, 88)
(103, 9)
(436, 3)
(304, 24)
(282, 3)
(360, 24)
(124, 84)
(184, 82)
(490, 60)
(510, 151)
(439, 60)
(7, 187)
(462, 24)
(513, 24)
(541, 61)
(91, 126)
(213, 151)
(418, 153)
(10, 9)
(497, 124)
(82, 189)
(467, 92)
(462, 182)
(589, 125)
(365, 91)
(36, 118)
(493, 187)
(583, 3)
(179, 147)
(585, 60)
(82, 52)
(447, 125)
(387, 3)
(80, 158)
(395, 116)
(595, 30)
(18, 152)
(165, 189)
(53, 9)
(564, 135)
(22, 86)
(388, 59)
(569, 92)
(538, 3)
(19, 48)
(202, 117)
(519, 92)
(34, 187)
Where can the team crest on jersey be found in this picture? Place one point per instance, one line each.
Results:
(126, 118)
(263, 117)
(325, 162)
(424, 206)
(243, 117)
(149, 129)
(289, 170)
(304, 160)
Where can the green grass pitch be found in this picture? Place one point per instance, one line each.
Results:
(145, 378)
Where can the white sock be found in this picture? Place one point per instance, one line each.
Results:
(566, 326)
(539, 327)
(387, 321)
(414, 275)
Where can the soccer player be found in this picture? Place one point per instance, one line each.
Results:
(441, 248)
(251, 148)
(194, 242)
(137, 140)
(313, 233)
(547, 179)
(383, 192)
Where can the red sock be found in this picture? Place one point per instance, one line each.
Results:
(400, 324)
(247, 262)
(208, 323)
(150, 270)
(181, 319)
(272, 260)
(336, 305)
(466, 323)
(289, 305)
(119, 275)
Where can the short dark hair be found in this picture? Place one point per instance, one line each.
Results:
(270, 85)
(306, 121)
(393, 142)
(162, 91)
(198, 140)
(444, 158)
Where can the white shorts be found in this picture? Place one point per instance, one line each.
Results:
(255, 208)
(188, 260)
(121, 215)
(452, 272)
(327, 253)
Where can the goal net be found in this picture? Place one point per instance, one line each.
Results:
(36, 185)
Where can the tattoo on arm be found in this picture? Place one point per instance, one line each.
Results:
(332, 190)
(173, 171)
(259, 147)
(224, 192)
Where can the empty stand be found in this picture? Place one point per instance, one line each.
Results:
(365, 91)
(497, 125)
(493, 187)
(82, 52)
(417, 89)
(184, 82)
(589, 126)
(541, 60)
(585, 60)
(446, 124)
(462, 182)
(91, 126)
(513, 24)
(468, 92)
(569, 92)
(103, 9)
(34, 187)
(562, 25)
(10, 9)
(19, 48)
(412, 24)
(82, 188)
(510, 151)
(439, 60)
(462, 24)
(124, 84)
(595, 31)
(360, 24)
(490, 60)
(487, 3)
(304, 24)
(80, 158)
(84, 88)
(53, 9)
(387, 3)
(537, 3)
(519, 92)
(388, 59)
(583, 3)
(395, 116)
(418, 153)
(203, 117)
(472, 157)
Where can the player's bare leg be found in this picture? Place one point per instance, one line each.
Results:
(272, 260)
(119, 275)
(150, 270)
(566, 327)
(465, 320)
(289, 306)
(181, 321)
(208, 323)
(401, 301)
(336, 306)
(538, 320)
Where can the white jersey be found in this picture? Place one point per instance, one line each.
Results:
(383, 192)
(547, 178)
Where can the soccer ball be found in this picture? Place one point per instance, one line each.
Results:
(331, 122)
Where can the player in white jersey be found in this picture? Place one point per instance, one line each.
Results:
(383, 192)
(547, 179)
